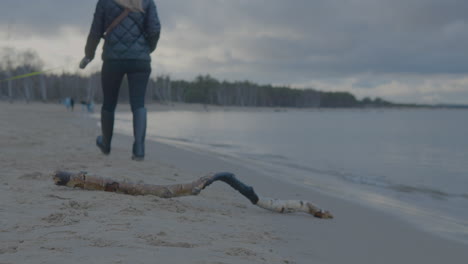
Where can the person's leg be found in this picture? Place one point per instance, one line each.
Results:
(111, 78)
(138, 77)
(137, 83)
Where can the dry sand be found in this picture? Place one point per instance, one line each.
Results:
(44, 223)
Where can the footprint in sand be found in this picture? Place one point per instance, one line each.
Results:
(192, 219)
(158, 242)
(77, 205)
(34, 176)
(132, 211)
(61, 219)
(57, 249)
(172, 205)
(9, 249)
(243, 252)
(56, 197)
(101, 243)
(71, 212)
(54, 218)
(118, 227)
(58, 235)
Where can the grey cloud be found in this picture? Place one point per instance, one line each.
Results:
(46, 16)
(334, 37)
(340, 37)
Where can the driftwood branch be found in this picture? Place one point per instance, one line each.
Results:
(87, 182)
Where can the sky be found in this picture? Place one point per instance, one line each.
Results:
(400, 50)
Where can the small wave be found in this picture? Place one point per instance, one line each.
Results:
(221, 145)
(437, 194)
(264, 156)
(340, 174)
(374, 182)
(309, 169)
(346, 176)
(381, 183)
(275, 156)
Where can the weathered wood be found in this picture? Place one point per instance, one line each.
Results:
(87, 182)
(291, 206)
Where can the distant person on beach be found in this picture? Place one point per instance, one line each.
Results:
(131, 31)
(87, 106)
(67, 102)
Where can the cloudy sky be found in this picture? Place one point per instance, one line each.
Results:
(401, 50)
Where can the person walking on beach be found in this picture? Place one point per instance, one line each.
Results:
(131, 30)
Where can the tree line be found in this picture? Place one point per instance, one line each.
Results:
(204, 89)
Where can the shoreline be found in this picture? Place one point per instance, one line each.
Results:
(423, 215)
(218, 226)
(155, 106)
(364, 203)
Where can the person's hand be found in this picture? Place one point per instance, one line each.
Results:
(84, 62)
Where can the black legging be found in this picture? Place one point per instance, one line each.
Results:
(113, 71)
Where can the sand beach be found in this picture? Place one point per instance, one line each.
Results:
(44, 223)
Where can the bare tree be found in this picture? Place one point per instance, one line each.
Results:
(10, 88)
(43, 88)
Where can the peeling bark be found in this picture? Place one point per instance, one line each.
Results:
(291, 206)
(87, 182)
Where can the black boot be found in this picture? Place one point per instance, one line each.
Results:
(107, 128)
(139, 133)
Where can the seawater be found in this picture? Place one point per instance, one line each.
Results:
(409, 162)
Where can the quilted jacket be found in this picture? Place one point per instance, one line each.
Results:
(135, 37)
